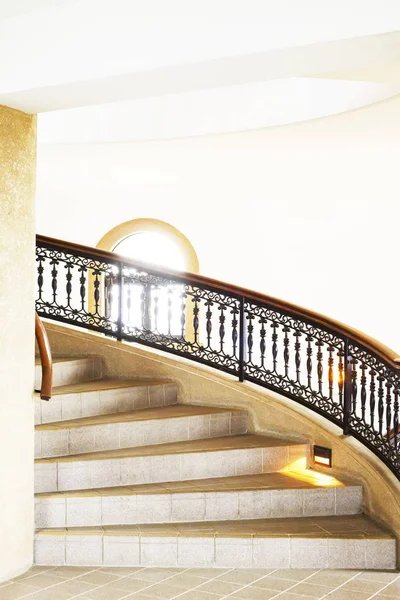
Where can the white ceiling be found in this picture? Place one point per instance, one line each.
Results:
(68, 47)
(12, 8)
(67, 54)
(220, 110)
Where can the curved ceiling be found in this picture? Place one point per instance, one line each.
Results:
(220, 110)
(270, 61)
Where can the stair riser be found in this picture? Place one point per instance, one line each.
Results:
(104, 402)
(269, 553)
(128, 435)
(77, 475)
(211, 506)
(71, 371)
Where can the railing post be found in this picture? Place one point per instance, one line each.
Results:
(120, 285)
(347, 389)
(242, 339)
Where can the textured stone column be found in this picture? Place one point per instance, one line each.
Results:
(17, 276)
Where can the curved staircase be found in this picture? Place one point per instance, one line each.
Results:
(127, 476)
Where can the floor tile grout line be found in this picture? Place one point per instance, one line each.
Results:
(384, 587)
(128, 577)
(341, 585)
(276, 595)
(55, 584)
(293, 586)
(199, 586)
(250, 584)
(100, 568)
(93, 570)
(20, 579)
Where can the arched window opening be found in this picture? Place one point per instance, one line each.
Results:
(149, 305)
(160, 308)
(153, 248)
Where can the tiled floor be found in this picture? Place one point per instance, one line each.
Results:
(67, 583)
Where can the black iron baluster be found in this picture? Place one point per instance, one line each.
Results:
(242, 339)
(388, 409)
(96, 292)
(286, 350)
(354, 389)
(40, 277)
(234, 312)
(82, 290)
(263, 333)
(221, 308)
(380, 403)
(297, 358)
(331, 362)
(54, 273)
(119, 284)
(169, 309)
(209, 304)
(347, 389)
(274, 338)
(196, 300)
(372, 387)
(145, 306)
(128, 286)
(156, 309)
(250, 329)
(68, 287)
(363, 381)
(109, 282)
(320, 369)
(396, 418)
(183, 315)
(309, 339)
(341, 376)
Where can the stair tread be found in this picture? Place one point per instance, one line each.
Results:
(306, 479)
(234, 442)
(62, 359)
(348, 527)
(105, 384)
(146, 414)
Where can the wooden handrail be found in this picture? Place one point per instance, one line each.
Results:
(45, 358)
(387, 354)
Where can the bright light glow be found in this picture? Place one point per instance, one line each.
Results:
(153, 248)
(298, 470)
(321, 460)
(165, 306)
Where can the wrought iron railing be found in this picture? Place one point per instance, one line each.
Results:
(335, 371)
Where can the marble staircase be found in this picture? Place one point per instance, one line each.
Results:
(127, 476)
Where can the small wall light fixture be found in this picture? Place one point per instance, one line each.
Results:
(323, 456)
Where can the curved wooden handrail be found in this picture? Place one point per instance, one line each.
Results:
(387, 354)
(45, 358)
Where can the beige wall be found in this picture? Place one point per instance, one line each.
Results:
(270, 413)
(17, 228)
(308, 213)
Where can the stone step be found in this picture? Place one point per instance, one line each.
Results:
(289, 494)
(67, 370)
(144, 427)
(350, 542)
(217, 457)
(104, 396)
